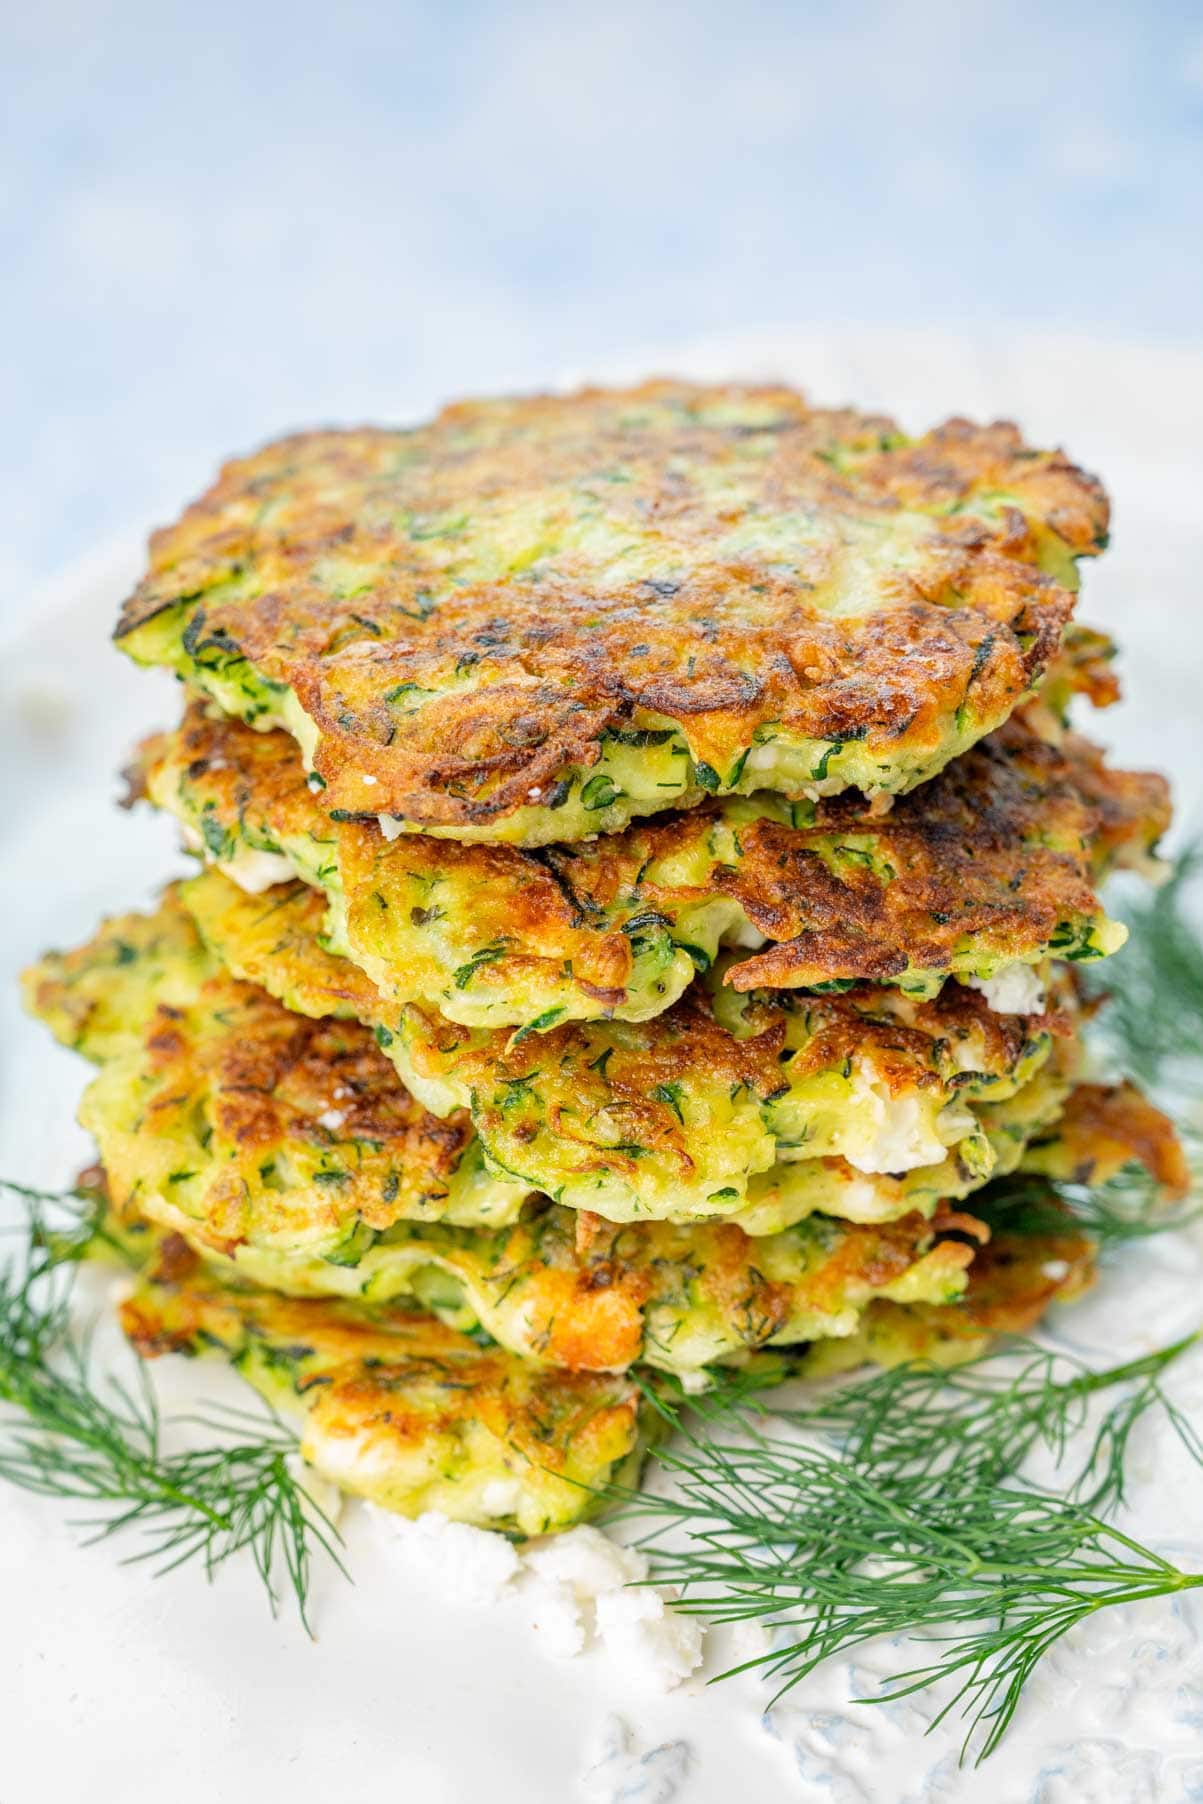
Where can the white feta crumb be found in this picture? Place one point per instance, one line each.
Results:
(649, 1637)
(331, 1120)
(570, 1587)
(888, 1133)
(532, 795)
(390, 826)
(254, 872)
(1056, 1269)
(585, 1560)
(1014, 989)
(749, 1641)
(468, 1565)
(555, 1616)
(370, 782)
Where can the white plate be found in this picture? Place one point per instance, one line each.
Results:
(115, 1684)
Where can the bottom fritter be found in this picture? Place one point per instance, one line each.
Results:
(396, 1406)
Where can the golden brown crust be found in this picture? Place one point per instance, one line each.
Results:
(1131, 808)
(543, 571)
(592, 1305)
(400, 1407)
(1105, 1127)
(220, 1110)
(271, 1082)
(995, 859)
(999, 850)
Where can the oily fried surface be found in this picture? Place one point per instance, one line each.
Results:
(467, 611)
(99, 997)
(993, 861)
(291, 963)
(1017, 1273)
(219, 1111)
(580, 1292)
(1105, 1127)
(274, 940)
(673, 1117)
(1131, 808)
(1013, 1280)
(400, 1408)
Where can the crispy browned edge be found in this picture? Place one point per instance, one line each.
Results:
(721, 652)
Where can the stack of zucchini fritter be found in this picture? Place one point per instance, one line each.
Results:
(645, 863)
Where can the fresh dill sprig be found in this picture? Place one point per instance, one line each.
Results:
(106, 1449)
(1153, 1019)
(1127, 1207)
(912, 1519)
(988, 1416)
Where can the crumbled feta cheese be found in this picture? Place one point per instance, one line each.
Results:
(390, 826)
(570, 1587)
(888, 1133)
(256, 871)
(331, 1120)
(555, 1616)
(501, 1497)
(468, 1565)
(1056, 1269)
(371, 782)
(532, 795)
(651, 1639)
(1014, 989)
(585, 1560)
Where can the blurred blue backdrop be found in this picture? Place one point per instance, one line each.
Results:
(223, 220)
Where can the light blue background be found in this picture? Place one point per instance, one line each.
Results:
(221, 220)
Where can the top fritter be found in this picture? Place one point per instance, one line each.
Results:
(533, 620)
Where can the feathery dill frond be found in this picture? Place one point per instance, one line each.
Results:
(102, 1443)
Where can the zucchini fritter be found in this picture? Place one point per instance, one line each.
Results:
(574, 1290)
(216, 1106)
(1104, 1127)
(577, 1291)
(989, 865)
(535, 619)
(671, 1118)
(1012, 1281)
(400, 1408)
(336, 1152)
